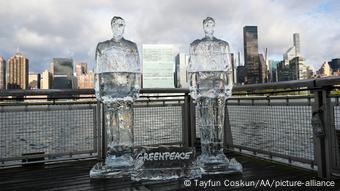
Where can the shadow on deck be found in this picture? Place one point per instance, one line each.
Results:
(75, 176)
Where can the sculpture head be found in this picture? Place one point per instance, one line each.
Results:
(117, 26)
(209, 26)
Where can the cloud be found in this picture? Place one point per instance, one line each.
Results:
(62, 28)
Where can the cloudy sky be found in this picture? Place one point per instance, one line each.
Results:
(44, 29)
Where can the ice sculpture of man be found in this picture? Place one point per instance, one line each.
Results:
(211, 54)
(117, 52)
(210, 79)
(117, 85)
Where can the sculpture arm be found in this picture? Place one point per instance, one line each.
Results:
(137, 55)
(229, 71)
(229, 67)
(191, 51)
(97, 52)
(96, 59)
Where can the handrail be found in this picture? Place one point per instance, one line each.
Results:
(46, 92)
(54, 92)
(327, 81)
(309, 83)
(277, 85)
(164, 90)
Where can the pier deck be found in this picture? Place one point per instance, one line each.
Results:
(75, 176)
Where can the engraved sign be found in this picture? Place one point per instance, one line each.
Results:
(165, 157)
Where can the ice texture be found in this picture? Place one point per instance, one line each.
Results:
(117, 85)
(210, 84)
(117, 73)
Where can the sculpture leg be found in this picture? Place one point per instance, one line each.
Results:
(211, 121)
(119, 142)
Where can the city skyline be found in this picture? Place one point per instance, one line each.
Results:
(55, 29)
(173, 74)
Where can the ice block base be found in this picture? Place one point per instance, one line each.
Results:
(165, 174)
(218, 164)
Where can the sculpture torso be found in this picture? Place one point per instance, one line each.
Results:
(123, 44)
(118, 71)
(208, 54)
(209, 67)
(117, 56)
(208, 46)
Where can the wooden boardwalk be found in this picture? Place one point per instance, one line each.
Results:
(75, 176)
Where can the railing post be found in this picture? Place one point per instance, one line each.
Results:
(99, 130)
(186, 122)
(102, 133)
(192, 120)
(95, 130)
(227, 136)
(323, 132)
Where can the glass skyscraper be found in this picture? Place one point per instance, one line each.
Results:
(296, 41)
(158, 66)
(251, 55)
(182, 61)
(63, 66)
(62, 73)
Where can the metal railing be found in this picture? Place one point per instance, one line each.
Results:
(273, 125)
(294, 127)
(259, 120)
(50, 125)
(36, 127)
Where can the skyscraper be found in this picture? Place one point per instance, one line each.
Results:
(293, 51)
(263, 69)
(251, 55)
(51, 68)
(63, 66)
(273, 75)
(296, 42)
(297, 68)
(17, 72)
(290, 53)
(181, 80)
(85, 81)
(2, 73)
(46, 80)
(81, 69)
(335, 65)
(158, 66)
(34, 81)
(283, 73)
(63, 73)
(233, 66)
(293, 67)
(240, 74)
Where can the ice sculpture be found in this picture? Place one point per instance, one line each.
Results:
(210, 79)
(117, 85)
